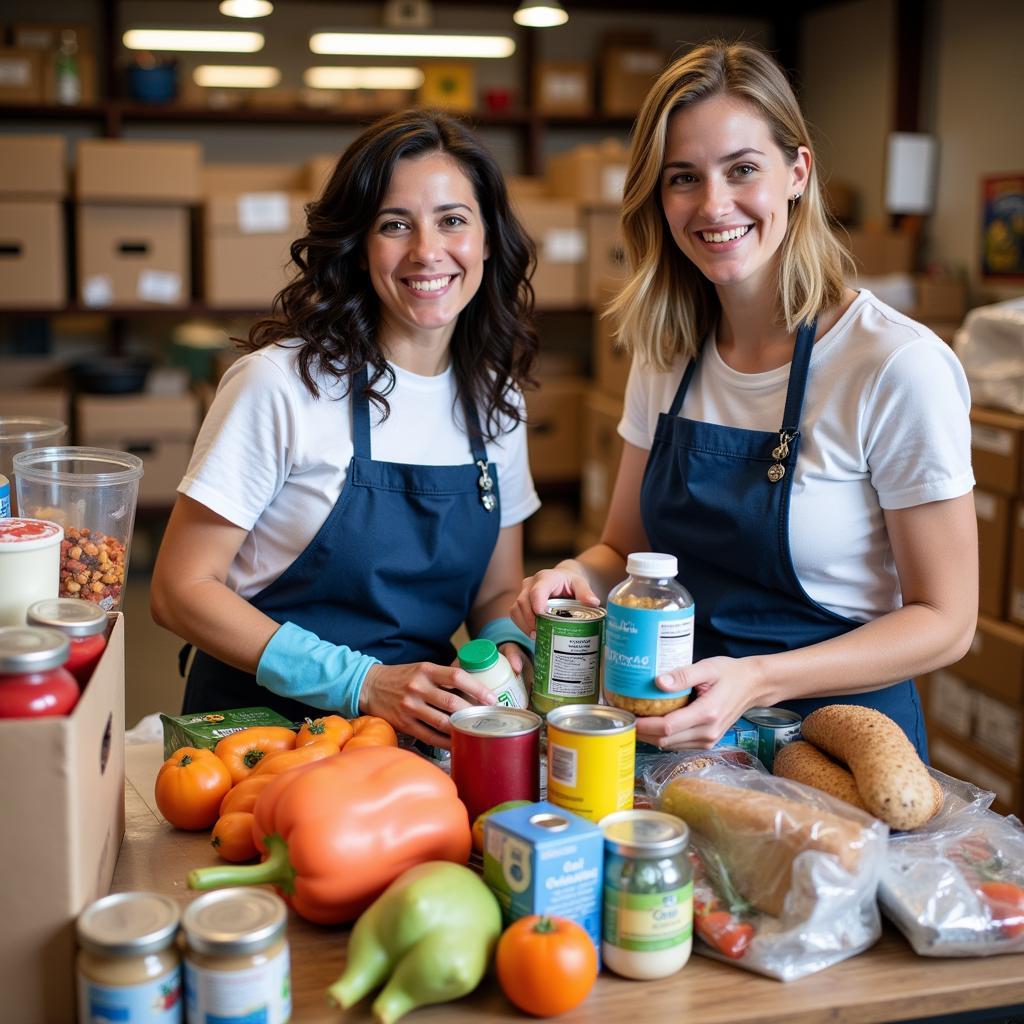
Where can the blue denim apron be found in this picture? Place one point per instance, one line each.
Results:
(392, 572)
(718, 498)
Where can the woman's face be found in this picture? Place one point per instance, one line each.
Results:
(426, 248)
(725, 190)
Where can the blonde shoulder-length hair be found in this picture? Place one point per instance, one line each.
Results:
(667, 306)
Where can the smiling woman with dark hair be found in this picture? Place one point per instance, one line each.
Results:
(358, 488)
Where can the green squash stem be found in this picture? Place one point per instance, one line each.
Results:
(275, 870)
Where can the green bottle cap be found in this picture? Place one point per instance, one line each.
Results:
(478, 655)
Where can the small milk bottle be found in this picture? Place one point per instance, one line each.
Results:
(487, 664)
(648, 631)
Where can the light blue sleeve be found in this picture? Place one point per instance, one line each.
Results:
(504, 631)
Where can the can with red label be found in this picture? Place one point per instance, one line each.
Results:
(495, 756)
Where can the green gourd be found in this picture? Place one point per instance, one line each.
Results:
(428, 938)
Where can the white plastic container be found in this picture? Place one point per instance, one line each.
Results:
(487, 664)
(29, 566)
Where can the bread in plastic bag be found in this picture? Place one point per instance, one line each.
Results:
(990, 345)
(785, 876)
(955, 886)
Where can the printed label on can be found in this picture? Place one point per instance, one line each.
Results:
(648, 921)
(260, 993)
(153, 1002)
(643, 643)
(591, 775)
(567, 663)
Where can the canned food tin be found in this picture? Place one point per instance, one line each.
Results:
(495, 756)
(775, 728)
(567, 663)
(591, 757)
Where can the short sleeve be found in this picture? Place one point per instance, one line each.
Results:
(518, 495)
(242, 454)
(637, 424)
(917, 435)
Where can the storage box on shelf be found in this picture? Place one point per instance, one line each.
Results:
(997, 454)
(21, 75)
(963, 760)
(34, 386)
(610, 362)
(46, 39)
(589, 173)
(627, 73)
(606, 251)
(556, 227)
(63, 796)
(563, 87)
(993, 514)
(602, 449)
(160, 429)
(881, 252)
(448, 85)
(554, 428)
(995, 661)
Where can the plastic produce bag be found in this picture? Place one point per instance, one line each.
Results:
(785, 876)
(955, 886)
(991, 347)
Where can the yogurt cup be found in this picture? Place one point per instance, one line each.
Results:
(29, 566)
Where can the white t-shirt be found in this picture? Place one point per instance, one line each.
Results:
(272, 459)
(884, 426)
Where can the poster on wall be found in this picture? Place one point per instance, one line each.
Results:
(1002, 227)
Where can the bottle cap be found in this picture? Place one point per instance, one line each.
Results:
(651, 563)
(478, 655)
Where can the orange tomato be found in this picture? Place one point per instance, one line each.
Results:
(274, 764)
(370, 731)
(331, 727)
(546, 965)
(1005, 905)
(242, 751)
(242, 796)
(232, 837)
(190, 786)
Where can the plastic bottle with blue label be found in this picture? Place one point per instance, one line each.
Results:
(648, 632)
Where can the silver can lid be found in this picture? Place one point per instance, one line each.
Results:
(560, 609)
(128, 924)
(69, 615)
(642, 833)
(31, 649)
(587, 719)
(485, 720)
(233, 922)
(774, 718)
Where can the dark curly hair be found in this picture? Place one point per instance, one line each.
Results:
(332, 306)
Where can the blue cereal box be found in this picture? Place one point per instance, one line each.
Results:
(541, 859)
(742, 734)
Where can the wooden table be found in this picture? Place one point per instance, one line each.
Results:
(887, 983)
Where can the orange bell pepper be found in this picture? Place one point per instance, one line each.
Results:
(243, 751)
(331, 727)
(334, 834)
(283, 760)
(370, 731)
(242, 796)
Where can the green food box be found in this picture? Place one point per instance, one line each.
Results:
(208, 728)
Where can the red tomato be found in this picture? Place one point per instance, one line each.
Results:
(720, 930)
(1006, 906)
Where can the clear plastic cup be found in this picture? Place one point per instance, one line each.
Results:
(18, 434)
(92, 493)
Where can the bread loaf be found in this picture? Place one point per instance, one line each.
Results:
(758, 835)
(891, 779)
(803, 762)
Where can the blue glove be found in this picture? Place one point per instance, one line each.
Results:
(298, 664)
(504, 631)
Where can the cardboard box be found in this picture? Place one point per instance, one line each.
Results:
(33, 166)
(21, 75)
(997, 730)
(602, 449)
(941, 299)
(62, 780)
(881, 252)
(246, 241)
(556, 228)
(33, 254)
(134, 256)
(45, 403)
(555, 428)
(610, 362)
(563, 87)
(448, 85)
(606, 251)
(993, 512)
(964, 760)
(206, 729)
(115, 171)
(996, 450)
(589, 174)
(317, 172)
(160, 429)
(950, 701)
(627, 74)
(45, 35)
(995, 662)
(1015, 583)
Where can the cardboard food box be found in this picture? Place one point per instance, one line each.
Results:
(606, 251)
(949, 701)
(116, 171)
(21, 75)
(34, 386)
(232, 179)
(940, 299)
(876, 253)
(589, 174)
(557, 231)
(62, 780)
(448, 85)
(610, 362)
(996, 450)
(134, 256)
(33, 166)
(563, 87)
(33, 271)
(1015, 584)
(993, 513)
(555, 428)
(602, 449)
(627, 74)
(206, 729)
(995, 661)
(317, 172)
(963, 759)
(160, 429)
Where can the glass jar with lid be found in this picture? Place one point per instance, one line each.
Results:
(129, 968)
(648, 894)
(83, 623)
(236, 956)
(33, 680)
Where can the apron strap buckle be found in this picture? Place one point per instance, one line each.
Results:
(486, 487)
(777, 471)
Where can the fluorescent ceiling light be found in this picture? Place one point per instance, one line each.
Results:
(363, 78)
(540, 14)
(246, 8)
(379, 44)
(234, 76)
(192, 40)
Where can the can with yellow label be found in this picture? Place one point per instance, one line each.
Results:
(591, 758)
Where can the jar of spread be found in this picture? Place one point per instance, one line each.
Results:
(486, 663)
(29, 565)
(236, 957)
(648, 894)
(33, 681)
(129, 968)
(83, 623)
